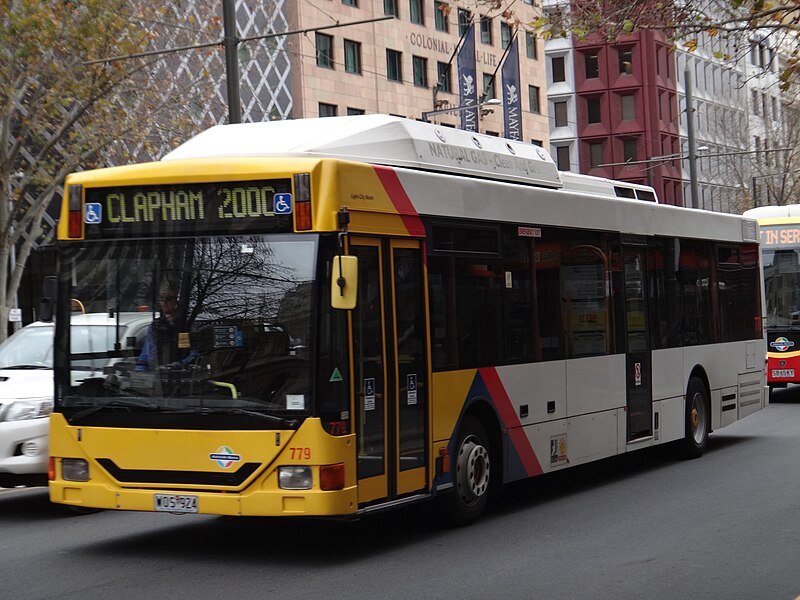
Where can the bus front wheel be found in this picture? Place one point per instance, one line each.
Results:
(473, 473)
(698, 417)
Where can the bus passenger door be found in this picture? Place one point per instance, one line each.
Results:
(390, 369)
(637, 342)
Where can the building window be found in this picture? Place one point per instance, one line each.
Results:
(488, 87)
(443, 77)
(505, 35)
(758, 54)
(629, 150)
(464, 20)
(596, 154)
(441, 10)
(533, 99)
(562, 158)
(756, 103)
(560, 111)
(592, 65)
(593, 110)
(352, 112)
(352, 56)
(531, 49)
(559, 72)
(327, 110)
(324, 50)
(390, 8)
(420, 71)
(625, 62)
(628, 107)
(415, 12)
(350, 3)
(394, 65)
(486, 30)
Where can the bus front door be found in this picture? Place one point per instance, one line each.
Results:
(390, 368)
(637, 339)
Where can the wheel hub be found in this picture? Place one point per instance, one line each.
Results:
(472, 471)
(697, 418)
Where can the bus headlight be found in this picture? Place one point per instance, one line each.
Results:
(22, 410)
(294, 478)
(74, 469)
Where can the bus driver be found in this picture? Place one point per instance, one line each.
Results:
(161, 347)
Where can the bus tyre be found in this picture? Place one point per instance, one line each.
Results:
(698, 422)
(472, 475)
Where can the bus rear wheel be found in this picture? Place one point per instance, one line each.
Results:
(473, 473)
(698, 422)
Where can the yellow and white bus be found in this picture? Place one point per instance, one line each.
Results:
(372, 311)
(779, 228)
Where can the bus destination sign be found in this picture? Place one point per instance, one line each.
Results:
(262, 206)
(779, 236)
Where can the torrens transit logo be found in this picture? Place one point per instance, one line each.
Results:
(225, 457)
(782, 344)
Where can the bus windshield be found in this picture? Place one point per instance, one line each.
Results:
(229, 327)
(782, 286)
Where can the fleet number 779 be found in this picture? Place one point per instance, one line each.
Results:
(298, 453)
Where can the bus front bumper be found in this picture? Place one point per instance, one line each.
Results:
(255, 502)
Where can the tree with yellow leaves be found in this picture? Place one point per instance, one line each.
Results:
(59, 113)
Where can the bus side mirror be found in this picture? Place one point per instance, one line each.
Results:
(46, 301)
(344, 282)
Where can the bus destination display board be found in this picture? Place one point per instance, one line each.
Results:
(779, 236)
(192, 208)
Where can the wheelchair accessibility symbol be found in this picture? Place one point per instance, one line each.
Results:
(283, 204)
(93, 213)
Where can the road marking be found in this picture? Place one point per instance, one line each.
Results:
(6, 491)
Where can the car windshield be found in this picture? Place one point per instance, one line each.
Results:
(28, 347)
(32, 346)
(229, 323)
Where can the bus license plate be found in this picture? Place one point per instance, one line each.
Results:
(782, 373)
(175, 503)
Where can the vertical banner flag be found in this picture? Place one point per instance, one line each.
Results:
(512, 109)
(467, 88)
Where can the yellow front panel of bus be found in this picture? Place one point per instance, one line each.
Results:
(128, 466)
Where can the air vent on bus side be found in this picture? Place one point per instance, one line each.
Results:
(749, 231)
(646, 195)
(623, 192)
(634, 193)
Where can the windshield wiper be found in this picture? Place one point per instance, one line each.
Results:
(235, 411)
(112, 404)
(25, 367)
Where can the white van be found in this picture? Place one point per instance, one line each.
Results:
(26, 385)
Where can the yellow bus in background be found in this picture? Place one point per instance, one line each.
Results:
(354, 313)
